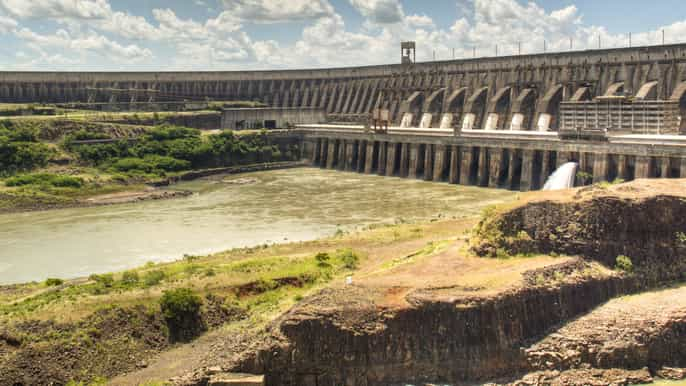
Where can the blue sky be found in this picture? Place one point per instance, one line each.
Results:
(272, 34)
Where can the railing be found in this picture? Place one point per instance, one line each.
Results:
(638, 117)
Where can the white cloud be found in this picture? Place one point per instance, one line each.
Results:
(271, 11)
(76, 9)
(7, 24)
(380, 11)
(89, 43)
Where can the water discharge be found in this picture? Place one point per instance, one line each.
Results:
(225, 212)
(562, 178)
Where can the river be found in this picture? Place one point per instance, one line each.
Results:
(224, 212)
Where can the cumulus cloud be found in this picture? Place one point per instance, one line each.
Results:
(90, 43)
(380, 11)
(271, 11)
(7, 24)
(76, 9)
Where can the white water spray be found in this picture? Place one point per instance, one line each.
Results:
(562, 178)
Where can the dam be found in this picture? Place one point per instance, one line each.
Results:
(505, 122)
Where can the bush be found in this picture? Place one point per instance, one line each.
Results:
(53, 282)
(323, 259)
(349, 258)
(46, 179)
(181, 309)
(154, 277)
(623, 263)
(130, 278)
(106, 280)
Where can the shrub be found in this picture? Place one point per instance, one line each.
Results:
(130, 278)
(106, 280)
(181, 309)
(349, 258)
(53, 282)
(623, 263)
(323, 259)
(45, 179)
(154, 277)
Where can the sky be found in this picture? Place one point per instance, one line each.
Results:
(195, 35)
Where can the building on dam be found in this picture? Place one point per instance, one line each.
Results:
(504, 122)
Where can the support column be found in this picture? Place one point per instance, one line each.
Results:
(315, 151)
(404, 159)
(465, 164)
(390, 158)
(545, 169)
(495, 166)
(439, 162)
(562, 158)
(333, 154)
(360, 155)
(664, 167)
(414, 159)
(381, 163)
(512, 168)
(643, 166)
(323, 152)
(369, 158)
(682, 167)
(527, 170)
(428, 162)
(349, 155)
(599, 167)
(482, 179)
(622, 171)
(340, 160)
(454, 174)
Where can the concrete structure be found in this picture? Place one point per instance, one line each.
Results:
(500, 122)
(270, 117)
(517, 160)
(520, 92)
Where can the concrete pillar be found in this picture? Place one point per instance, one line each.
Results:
(682, 168)
(404, 159)
(495, 167)
(562, 158)
(600, 167)
(323, 152)
(512, 167)
(664, 167)
(349, 155)
(428, 162)
(340, 160)
(440, 154)
(360, 154)
(545, 169)
(525, 183)
(315, 151)
(465, 164)
(333, 153)
(482, 179)
(390, 158)
(454, 173)
(369, 158)
(381, 163)
(643, 167)
(622, 171)
(414, 160)
(584, 166)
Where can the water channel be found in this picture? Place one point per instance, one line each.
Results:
(224, 212)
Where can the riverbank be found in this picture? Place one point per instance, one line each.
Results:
(122, 193)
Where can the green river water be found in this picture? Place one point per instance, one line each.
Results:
(224, 212)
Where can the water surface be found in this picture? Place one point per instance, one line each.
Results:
(225, 212)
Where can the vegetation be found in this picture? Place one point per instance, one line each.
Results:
(45, 179)
(623, 263)
(170, 149)
(20, 150)
(181, 309)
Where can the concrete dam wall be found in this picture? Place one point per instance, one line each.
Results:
(525, 86)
